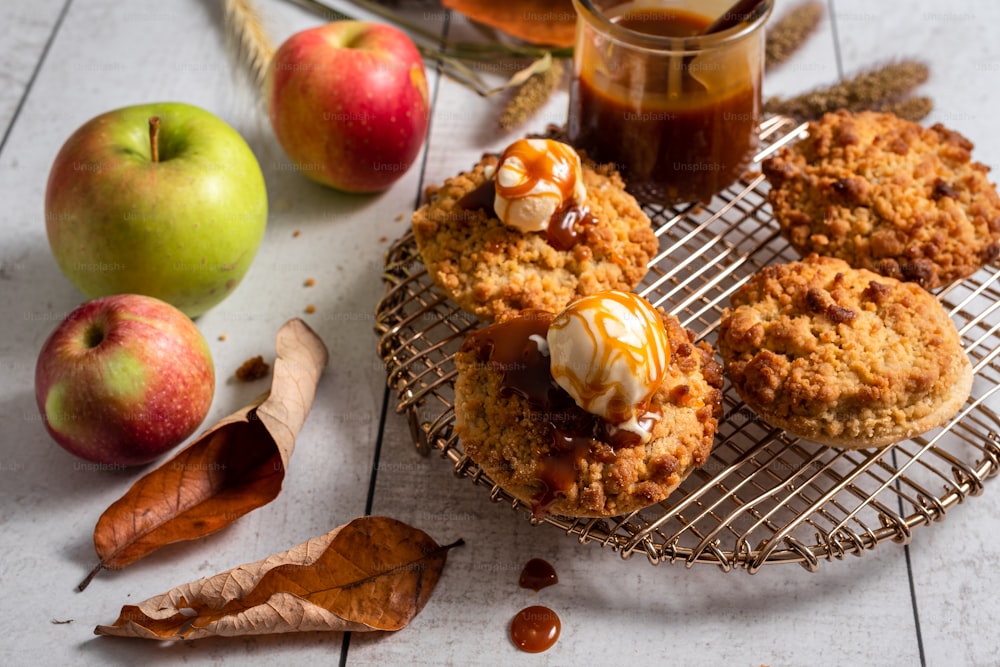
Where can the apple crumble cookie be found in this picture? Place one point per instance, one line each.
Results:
(534, 440)
(888, 195)
(492, 269)
(843, 356)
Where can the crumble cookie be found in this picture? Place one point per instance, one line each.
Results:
(492, 270)
(888, 195)
(843, 356)
(547, 451)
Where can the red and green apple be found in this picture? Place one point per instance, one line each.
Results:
(123, 379)
(162, 199)
(348, 103)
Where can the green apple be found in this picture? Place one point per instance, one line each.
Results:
(123, 379)
(161, 199)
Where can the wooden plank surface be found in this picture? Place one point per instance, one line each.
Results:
(931, 602)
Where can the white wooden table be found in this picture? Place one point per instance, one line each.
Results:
(931, 602)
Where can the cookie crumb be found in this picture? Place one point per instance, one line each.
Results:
(310, 309)
(252, 369)
(222, 337)
(309, 282)
(400, 217)
(383, 239)
(296, 234)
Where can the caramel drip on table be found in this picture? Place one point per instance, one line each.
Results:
(538, 574)
(535, 629)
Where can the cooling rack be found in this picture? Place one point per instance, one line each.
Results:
(764, 497)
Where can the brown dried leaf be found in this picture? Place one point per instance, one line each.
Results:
(548, 22)
(374, 573)
(233, 468)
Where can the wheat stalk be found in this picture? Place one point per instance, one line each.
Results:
(868, 89)
(246, 35)
(531, 95)
(791, 31)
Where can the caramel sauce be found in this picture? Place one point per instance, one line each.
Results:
(535, 629)
(480, 198)
(562, 231)
(507, 348)
(538, 574)
(680, 146)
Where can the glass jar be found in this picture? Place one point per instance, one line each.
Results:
(678, 113)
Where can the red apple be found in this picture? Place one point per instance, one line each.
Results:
(123, 379)
(348, 103)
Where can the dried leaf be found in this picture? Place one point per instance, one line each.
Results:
(233, 468)
(374, 573)
(521, 76)
(551, 22)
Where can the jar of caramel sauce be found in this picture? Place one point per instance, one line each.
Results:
(675, 110)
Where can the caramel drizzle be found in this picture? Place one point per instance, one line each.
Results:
(553, 164)
(647, 361)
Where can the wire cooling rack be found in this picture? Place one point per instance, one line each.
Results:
(763, 497)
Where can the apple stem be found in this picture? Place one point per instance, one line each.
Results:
(154, 132)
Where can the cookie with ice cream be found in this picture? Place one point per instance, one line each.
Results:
(535, 226)
(599, 409)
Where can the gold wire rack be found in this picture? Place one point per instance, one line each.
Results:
(763, 497)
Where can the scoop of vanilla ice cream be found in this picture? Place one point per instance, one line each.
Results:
(610, 352)
(534, 179)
